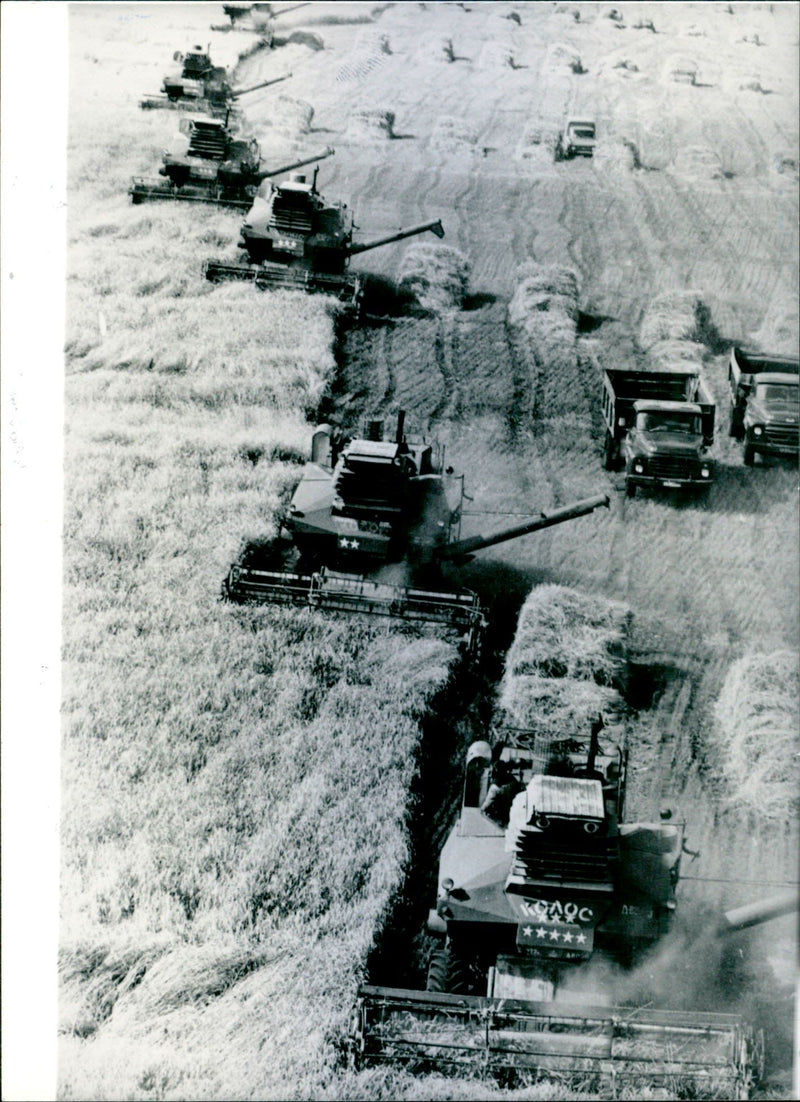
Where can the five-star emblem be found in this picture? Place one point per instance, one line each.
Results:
(580, 938)
(349, 543)
(527, 931)
(554, 935)
(568, 936)
(540, 931)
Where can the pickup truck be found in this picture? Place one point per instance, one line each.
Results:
(661, 423)
(765, 402)
(578, 139)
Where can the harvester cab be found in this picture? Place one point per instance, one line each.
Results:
(377, 500)
(192, 80)
(539, 876)
(368, 509)
(294, 238)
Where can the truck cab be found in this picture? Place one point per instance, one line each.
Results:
(765, 403)
(578, 139)
(666, 447)
(771, 424)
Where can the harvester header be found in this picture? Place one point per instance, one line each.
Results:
(633, 1046)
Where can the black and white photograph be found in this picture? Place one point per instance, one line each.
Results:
(401, 648)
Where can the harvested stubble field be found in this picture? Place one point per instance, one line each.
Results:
(235, 822)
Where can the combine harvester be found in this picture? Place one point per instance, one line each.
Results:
(212, 166)
(539, 876)
(201, 86)
(368, 510)
(256, 18)
(295, 240)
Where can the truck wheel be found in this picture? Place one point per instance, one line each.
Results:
(630, 489)
(749, 455)
(609, 452)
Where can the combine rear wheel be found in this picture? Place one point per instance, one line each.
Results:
(448, 973)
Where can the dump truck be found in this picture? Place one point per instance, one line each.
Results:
(295, 239)
(577, 139)
(540, 876)
(212, 165)
(369, 508)
(661, 424)
(765, 403)
(201, 86)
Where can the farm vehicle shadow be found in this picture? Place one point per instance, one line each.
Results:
(384, 299)
(502, 589)
(646, 678)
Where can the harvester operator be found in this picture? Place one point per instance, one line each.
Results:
(503, 787)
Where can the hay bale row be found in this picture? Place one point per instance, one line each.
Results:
(290, 117)
(564, 633)
(757, 719)
(435, 276)
(562, 667)
(365, 127)
(542, 324)
(670, 317)
(672, 355)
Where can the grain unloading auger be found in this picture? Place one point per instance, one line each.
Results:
(296, 240)
(539, 875)
(365, 510)
(213, 166)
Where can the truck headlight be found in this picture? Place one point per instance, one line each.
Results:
(705, 472)
(758, 430)
(638, 466)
